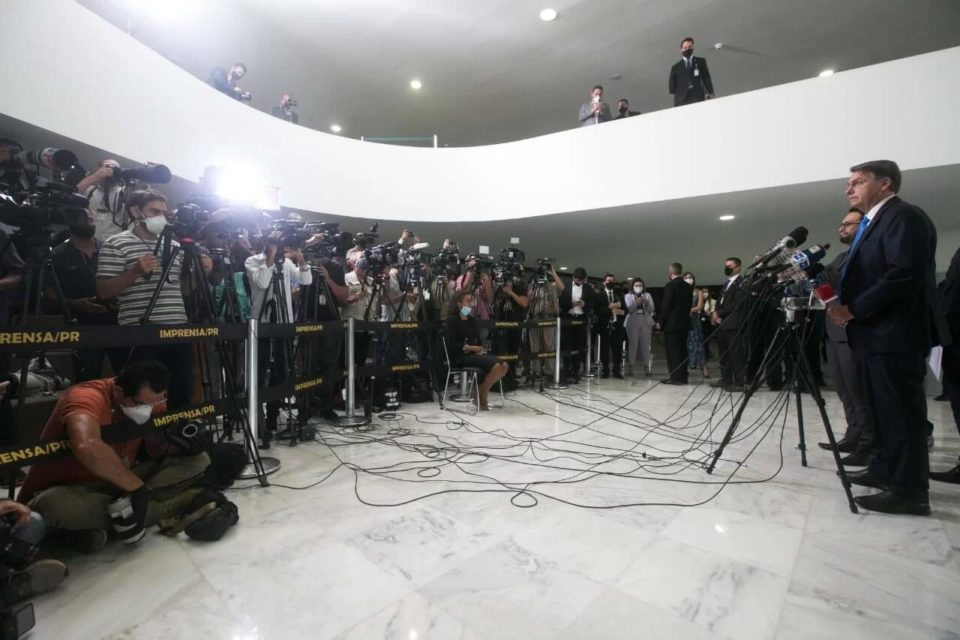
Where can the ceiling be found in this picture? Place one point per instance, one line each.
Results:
(493, 72)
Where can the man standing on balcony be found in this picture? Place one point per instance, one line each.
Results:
(690, 79)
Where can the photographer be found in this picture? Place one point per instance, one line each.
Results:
(12, 177)
(105, 192)
(75, 264)
(21, 576)
(479, 284)
(226, 81)
(128, 269)
(544, 304)
(510, 304)
(75, 493)
(466, 348)
(285, 109)
(280, 248)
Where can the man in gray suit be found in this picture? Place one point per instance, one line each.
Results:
(858, 439)
(596, 110)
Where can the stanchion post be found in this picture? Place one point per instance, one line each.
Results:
(257, 466)
(351, 419)
(589, 346)
(557, 383)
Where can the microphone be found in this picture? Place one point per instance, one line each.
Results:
(795, 237)
(420, 246)
(800, 264)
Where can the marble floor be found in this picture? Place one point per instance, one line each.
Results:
(584, 513)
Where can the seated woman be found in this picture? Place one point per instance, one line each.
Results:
(463, 345)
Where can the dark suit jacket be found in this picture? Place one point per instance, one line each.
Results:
(603, 308)
(889, 282)
(589, 299)
(732, 307)
(674, 312)
(279, 112)
(220, 80)
(680, 80)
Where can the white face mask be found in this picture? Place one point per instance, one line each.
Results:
(139, 413)
(155, 225)
(596, 99)
(638, 290)
(689, 281)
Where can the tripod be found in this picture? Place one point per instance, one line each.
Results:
(789, 337)
(191, 259)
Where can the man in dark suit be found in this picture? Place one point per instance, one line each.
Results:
(285, 111)
(690, 78)
(886, 300)
(610, 316)
(595, 111)
(673, 317)
(732, 336)
(577, 302)
(623, 110)
(858, 441)
(950, 297)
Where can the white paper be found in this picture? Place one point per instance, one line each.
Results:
(935, 361)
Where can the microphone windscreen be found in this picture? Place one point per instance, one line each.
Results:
(799, 234)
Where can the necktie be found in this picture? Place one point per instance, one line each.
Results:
(688, 65)
(863, 227)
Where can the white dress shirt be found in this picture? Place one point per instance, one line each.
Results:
(576, 294)
(260, 275)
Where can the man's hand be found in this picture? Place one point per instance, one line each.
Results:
(89, 305)
(578, 303)
(316, 238)
(297, 256)
(129, 515)
(322, 271)
(9, 506)
(658, 327)
(840, 315)
(508, 288)
(715, 318)
(146, 264)
(104, 172)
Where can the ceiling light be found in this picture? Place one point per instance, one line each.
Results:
(415, 85)
(726, 218)
(336, 128)
(826, 73)
(563, 268)
(548, 15)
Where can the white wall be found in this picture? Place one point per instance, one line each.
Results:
(67, 71)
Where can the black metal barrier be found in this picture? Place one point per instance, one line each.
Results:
(25, 340)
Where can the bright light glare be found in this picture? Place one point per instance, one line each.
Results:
(336, 128)
(719, 528)
(826, 73)
(415, 85)
(242, 185)
(726, 218)
(548, 15)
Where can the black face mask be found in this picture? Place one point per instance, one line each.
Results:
(623, 109)
(608, 285)
(728, 271)
(687, 53)
(83, 231)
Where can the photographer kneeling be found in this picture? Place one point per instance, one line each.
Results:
(465, 349)
(99, 488)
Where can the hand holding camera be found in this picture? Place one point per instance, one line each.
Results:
(147, 264)
(129, 515)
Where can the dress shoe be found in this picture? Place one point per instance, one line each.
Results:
(887, 502)
(856, 459)
(951, 475)
(673, 382)
(734, 388)
(864, 478)
(779, 387)
(843, 446)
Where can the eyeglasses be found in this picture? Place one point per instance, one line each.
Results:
(849, 224)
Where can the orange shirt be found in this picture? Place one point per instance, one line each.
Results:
(95, 399)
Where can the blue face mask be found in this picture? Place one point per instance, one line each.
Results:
(465, 311)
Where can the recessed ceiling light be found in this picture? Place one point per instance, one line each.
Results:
(336, 128)
(726, 218)
(415, 85)
(826, 73)
(548, 15)
(563, 268)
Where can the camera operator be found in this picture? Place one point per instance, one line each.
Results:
(75, 264)
(481, 286)
(105, 192)
(128, 269)
(21, 576)
(285, 111)
(325, 353)
(75, 493)
(578, 303)
(510, 304)
(226, 81)
(261, 273)
(12, 177)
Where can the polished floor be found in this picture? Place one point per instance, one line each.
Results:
(513, 524)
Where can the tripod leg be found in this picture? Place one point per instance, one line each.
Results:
(822, 406)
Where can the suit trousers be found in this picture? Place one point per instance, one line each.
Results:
(611, 348)
(732, 344)
(575, 338)
(676, 344)
(951, 378)
(851, 387)
(898, 406)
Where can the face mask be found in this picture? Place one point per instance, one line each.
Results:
(689, 281)
(623, 109)
(727, 271)
(608, 285)
(638, 290)
(155, 225)
(465, 311)
(139, 413)
(83, 231)
(687, 53)
(596, 99)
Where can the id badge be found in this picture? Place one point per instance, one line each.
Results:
(426, 294)
(696, 72)
(322, 300)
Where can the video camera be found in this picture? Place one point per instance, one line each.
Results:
(447, 261)
(150, 173)
(382, 255)
(334, 243)
(51, 204)
(482, 260)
